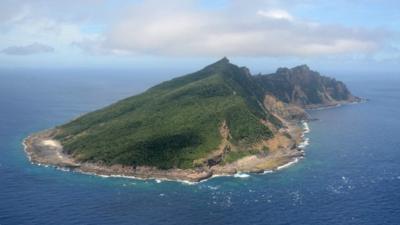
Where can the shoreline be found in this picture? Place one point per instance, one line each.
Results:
(336, 104)
(43, 151)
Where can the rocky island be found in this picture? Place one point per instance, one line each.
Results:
(220, 120)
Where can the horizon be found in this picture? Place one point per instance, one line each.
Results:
(338, 37)
(199, 112)
(155, 75)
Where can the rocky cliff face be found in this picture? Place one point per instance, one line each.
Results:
(177, 123)
(218, 120)
(304, 87)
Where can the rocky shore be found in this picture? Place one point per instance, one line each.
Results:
(284, 150)
(43, 149)
(259, 119)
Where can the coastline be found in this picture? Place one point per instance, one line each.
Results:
(42, 150)
(335, 104)
(44, 155)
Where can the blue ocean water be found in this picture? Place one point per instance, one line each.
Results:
(350, 175)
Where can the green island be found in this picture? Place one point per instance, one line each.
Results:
(217, 121)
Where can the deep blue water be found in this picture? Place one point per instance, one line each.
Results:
(350, 175)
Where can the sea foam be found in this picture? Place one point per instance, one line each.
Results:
(301, 146)
(288, 164)
(241, 175)
(306, 128)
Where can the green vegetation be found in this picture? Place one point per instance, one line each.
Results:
(178, 121)
(173, 123)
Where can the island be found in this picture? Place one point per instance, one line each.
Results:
(220, 120)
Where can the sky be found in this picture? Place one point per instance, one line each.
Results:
(262, 34)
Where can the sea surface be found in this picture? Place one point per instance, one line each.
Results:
(350, 175)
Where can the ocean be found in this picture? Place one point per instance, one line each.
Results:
(350, 174)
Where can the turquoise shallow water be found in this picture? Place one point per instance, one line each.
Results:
(350, 175)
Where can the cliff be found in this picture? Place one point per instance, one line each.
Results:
(305, 88)
(218, 120)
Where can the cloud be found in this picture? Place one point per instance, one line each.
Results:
(55, 23)
(180, 29)
(35, 48)
(275, 14)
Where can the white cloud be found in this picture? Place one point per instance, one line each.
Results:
(26, 23)
(278, 14)
(179, 28)
(183, 30)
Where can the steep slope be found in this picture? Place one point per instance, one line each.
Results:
(305, 88)
(219, 120)
(174, 123)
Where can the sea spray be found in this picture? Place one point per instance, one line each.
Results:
(241, 175)
(306, 128)
(301, 146)
(288, 164)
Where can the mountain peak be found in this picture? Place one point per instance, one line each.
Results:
(303, 67)
(282, 70)
(220, 64)
(297, 69)
(223, 61)
(304, 87)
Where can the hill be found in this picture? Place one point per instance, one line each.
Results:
(305, 88)
(218, 120)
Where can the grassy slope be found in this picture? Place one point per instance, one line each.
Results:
(173, 123)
